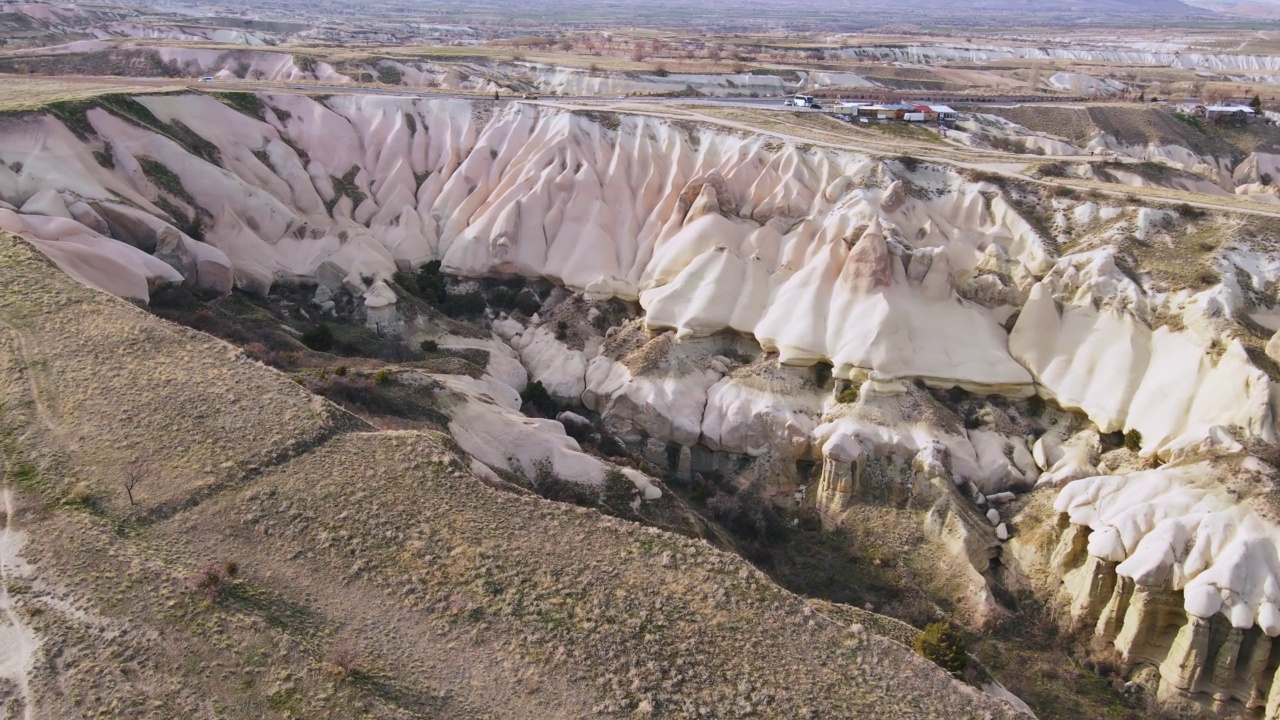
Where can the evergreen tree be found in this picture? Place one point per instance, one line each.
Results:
(942, 644)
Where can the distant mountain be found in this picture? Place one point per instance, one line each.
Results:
(1251, 8)
(1163, 8)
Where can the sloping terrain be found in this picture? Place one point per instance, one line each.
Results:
(383, 542)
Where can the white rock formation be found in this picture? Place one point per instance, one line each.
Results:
(1177, 565)
(820, 255)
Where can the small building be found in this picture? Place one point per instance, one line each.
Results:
(1229, 113)
(944, 113)
(848, 106)
(887, 111)
(921, 113)
(846, 110)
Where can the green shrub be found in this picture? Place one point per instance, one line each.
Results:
(562, 330)
(535, 394)
(165, 179)
(82, 496)
(908, 163)
(363, 394)
(618, 492)
(25, 474)
(943, 645)
(106, 157)
(546, 483)
(1035, 405)
(1052, 169)
(389, 75)
(431, 283)
(466, 304)
(429, 346)
(319, 338)
(212, 580)
(527, 302)
(1133, 440)
(382, 377)
(1189, 212)
(848, 396)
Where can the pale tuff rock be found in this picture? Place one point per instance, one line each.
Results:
(1165, 383)
(1195, 541)
(528, 193)
(731, 235)
(911, 425)
(762, 406)
(962, 531)
(46, 202)
(116, 268)
(1183, 526)
(493, 431)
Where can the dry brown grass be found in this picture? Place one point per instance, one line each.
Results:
(28, 93)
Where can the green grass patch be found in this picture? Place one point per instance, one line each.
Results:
(389, 74)
(345, 186)
(165, 179)
(74, 114)
(245, 102)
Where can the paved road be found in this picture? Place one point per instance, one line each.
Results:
(355, 89)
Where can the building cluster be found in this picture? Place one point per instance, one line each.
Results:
(1236, 111)
(906, 111)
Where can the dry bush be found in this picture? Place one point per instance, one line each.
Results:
(344, 658)
(212, 580)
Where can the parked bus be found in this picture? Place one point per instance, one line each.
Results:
(802, 100)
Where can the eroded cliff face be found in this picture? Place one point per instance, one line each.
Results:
(1175, 567)
(842, 328)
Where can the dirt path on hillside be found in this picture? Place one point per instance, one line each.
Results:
(18, 643)
(33, 388)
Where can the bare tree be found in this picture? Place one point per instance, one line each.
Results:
(344, 658)
(134, 474)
